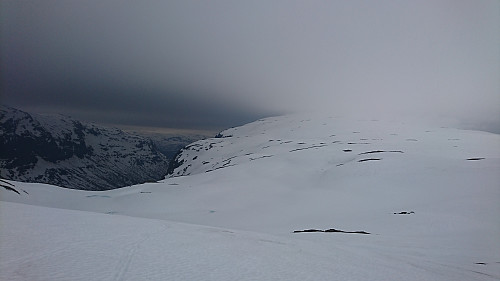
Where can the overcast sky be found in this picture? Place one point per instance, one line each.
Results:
(213, 64)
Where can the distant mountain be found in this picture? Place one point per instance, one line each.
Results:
(62, 151)
(170, 143)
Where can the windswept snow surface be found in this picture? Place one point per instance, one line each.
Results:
(430, 197)
(74, 245)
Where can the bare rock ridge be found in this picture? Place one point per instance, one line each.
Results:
(65, 152)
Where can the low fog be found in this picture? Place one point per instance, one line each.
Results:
(213, 64)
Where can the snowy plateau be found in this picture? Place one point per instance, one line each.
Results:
(285, 198)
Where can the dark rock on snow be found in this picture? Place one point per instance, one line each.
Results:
(330, 230)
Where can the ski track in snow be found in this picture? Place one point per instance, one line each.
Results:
(124, 261)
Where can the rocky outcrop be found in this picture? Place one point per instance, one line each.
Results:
(62, 151)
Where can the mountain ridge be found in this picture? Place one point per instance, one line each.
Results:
(69, 153)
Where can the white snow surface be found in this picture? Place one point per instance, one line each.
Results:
(229, 211)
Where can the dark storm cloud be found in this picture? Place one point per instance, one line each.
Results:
(114, 61)
(219, 63)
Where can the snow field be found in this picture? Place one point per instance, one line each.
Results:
(244, 194)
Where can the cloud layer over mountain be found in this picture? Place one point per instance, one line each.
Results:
(202, 64)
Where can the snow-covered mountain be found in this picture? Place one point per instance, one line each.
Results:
(283, 198)
(62, 151)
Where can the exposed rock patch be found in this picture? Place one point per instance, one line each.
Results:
(405, 213)
(331, 230)
(369, 159)
(381, 151)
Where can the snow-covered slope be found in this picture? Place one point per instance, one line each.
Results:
(429, 197)
(69, 245)
(66, 152)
